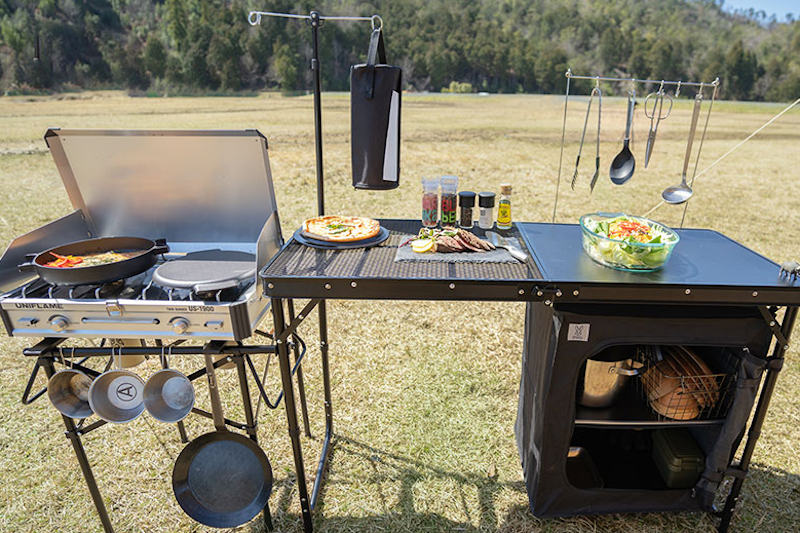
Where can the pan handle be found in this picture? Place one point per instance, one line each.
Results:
(213, 287)
(29, 266)
(161, 246)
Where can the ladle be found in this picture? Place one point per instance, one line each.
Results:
(680, 193)
(623, 165)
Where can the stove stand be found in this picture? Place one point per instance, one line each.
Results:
(49, 351)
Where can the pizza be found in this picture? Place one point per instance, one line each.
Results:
(340, 229)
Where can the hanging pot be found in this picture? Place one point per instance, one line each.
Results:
(117, 395)
(221, 479)
(68, 390)
(168, 396)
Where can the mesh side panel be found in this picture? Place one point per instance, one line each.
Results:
(297, 260)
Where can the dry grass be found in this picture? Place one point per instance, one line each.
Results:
(423, 411)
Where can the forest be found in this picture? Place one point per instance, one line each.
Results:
(502, 46)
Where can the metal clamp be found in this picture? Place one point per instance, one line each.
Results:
(546, 294)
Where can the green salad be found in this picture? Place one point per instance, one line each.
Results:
(626, 242)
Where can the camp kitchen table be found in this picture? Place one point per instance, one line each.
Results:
(707, 271)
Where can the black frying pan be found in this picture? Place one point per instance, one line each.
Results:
(221, 479)
(98, 273)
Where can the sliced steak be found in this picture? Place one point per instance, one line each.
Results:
(466, 244)
(474, 240)
(448, 244)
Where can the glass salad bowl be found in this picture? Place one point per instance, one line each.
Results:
(625, 242)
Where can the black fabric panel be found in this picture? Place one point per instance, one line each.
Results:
(750, 371)
(550, 368)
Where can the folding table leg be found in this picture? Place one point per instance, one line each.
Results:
(291, 413)
(301, 385)
(758, 418)
(74, 437)
(326, 380)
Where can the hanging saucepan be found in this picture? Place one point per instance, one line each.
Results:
(143, 254)
(68, 390)
(221, 479)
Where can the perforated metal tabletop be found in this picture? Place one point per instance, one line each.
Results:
(371, 273)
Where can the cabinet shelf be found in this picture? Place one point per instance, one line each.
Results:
(630, 411)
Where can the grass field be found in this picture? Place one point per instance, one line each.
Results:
(425, 394)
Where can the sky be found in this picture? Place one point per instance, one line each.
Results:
(779, 7)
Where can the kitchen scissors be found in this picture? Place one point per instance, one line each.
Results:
(656, 114)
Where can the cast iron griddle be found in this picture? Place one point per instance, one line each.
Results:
(208, 266)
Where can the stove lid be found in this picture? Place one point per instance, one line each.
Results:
(185, 186)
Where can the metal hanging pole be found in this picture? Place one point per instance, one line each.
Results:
(561, 155)
(316, 20)
(316, 24)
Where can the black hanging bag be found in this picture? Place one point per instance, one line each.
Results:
(375, 96)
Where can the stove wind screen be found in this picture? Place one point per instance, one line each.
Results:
(185, 186)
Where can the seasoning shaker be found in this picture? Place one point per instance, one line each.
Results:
(449, 200)
(430, 202)
(466, 201)
(504, 207)
(486, 204)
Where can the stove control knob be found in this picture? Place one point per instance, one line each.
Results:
(59, 323)
(180, 325)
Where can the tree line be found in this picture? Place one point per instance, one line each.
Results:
(504, 46)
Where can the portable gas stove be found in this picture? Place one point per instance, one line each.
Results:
(206, 202)
(208, 193)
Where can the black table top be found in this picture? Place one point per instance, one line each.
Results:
(706, 267)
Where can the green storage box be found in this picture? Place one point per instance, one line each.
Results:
(678, 457)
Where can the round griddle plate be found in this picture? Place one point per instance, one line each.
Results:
(206, 267)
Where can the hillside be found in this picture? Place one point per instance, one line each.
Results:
(201, 46)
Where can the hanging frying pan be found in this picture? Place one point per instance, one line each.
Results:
(221, 479)
(143, 253)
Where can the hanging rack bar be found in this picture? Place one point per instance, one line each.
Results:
(678, 83)
(255, 17)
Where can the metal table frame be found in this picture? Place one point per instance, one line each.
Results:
(49, 352)
(319, 288)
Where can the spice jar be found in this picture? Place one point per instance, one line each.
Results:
(430, 202)
(466, 201)
(504, 207)
(449, 203)
(486, 204)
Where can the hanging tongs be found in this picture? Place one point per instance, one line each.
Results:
(595, 91)
(656, 114)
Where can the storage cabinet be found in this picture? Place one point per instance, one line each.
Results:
(590, 460)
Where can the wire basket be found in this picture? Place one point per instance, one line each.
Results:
(679, 385)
